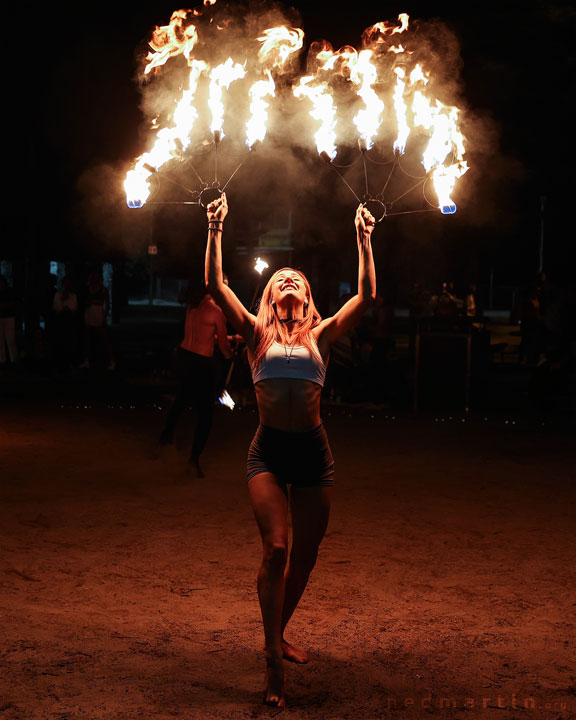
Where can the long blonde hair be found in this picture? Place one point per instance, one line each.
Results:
(268, 326)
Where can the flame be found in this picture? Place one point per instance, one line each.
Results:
(345, 57)
(278, 44)
(324, 110)
(260, 265)
(404, 18)
(401, 109)
(445, 140)
(410, 97)
(376, 34)
(209, 2)
(256, 125)
(364, 74)
(417, 75)
(171, 40)
(221, 77)
(319, 52)
(167, 139)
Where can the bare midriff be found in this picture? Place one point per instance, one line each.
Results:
(289, 404)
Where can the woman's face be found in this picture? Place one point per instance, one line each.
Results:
(288, 284)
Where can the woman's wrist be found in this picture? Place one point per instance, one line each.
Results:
(215, 225)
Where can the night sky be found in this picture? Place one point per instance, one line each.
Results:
(74, 105)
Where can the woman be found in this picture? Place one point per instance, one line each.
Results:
(288, 348)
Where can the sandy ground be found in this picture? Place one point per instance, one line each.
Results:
(444, 586)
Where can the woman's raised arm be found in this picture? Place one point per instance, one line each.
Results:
(351, 312)
(241, 320)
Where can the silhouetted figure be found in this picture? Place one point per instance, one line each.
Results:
(65, 318)
(553, 384)
(382, 341)
(419, 302)
(447, 302)
(531, 327)
(471, 308)
(204, 326)
(96, 309)
(8, 307)
(339, 385)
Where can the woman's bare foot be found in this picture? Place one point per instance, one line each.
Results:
(274, 692)
(294, 654)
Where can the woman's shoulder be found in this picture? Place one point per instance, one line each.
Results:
(318, 329)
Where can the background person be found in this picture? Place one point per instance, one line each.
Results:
(96, 309)
(65, 325)
(8, 307)
(205, 325)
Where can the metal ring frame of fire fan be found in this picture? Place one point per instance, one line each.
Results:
(376, 204)
(209, 191)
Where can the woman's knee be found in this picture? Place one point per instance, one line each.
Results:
(275, 554)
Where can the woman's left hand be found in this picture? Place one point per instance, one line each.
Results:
(218, 209)
(364, 221)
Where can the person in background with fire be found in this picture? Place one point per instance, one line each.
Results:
(205, 325)
(288, 348)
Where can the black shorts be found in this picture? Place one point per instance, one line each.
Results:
(303, 459)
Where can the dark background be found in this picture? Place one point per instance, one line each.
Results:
(74, 107)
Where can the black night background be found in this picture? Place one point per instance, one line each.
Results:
(128, 570)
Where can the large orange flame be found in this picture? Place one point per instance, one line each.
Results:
(383, 69)
(173, 39)
(278, 44)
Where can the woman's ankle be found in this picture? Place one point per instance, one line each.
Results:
(274, 656)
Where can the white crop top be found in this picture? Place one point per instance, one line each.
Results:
(288, 361)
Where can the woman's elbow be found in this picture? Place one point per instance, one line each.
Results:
(213, 286)
(368, 299)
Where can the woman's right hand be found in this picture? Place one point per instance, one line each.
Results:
(364, 221)
(218, 209)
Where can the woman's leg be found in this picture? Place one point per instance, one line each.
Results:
(270, 506)
(310, 510)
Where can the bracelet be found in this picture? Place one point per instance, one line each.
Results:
(213, 222)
